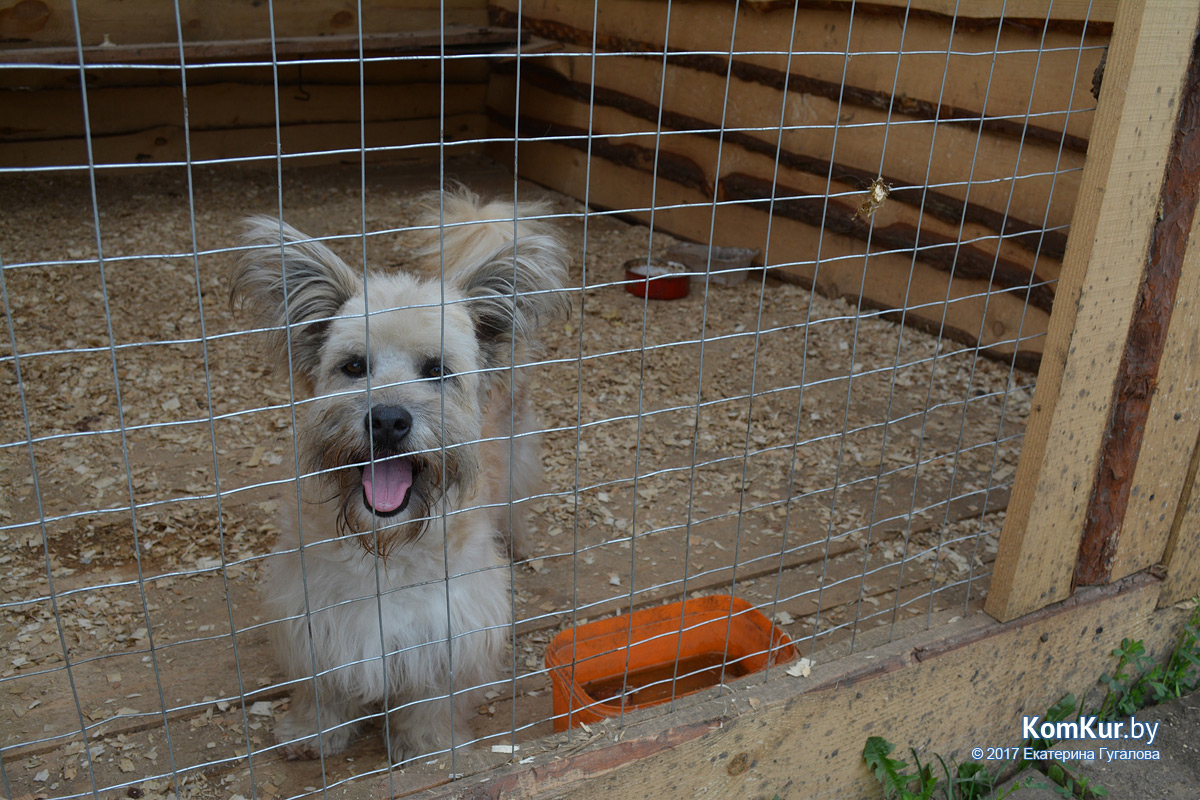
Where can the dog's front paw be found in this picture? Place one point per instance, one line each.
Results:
(297, 732)
(422, 731)
(407, 747)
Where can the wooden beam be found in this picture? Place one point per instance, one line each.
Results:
(748, 172)
(52, 22)
(1172, 425)
(309, 143)
(296, 48)
(1114, 219)
(803, 737)
(1024, 10)
(57, 114)
(1138, 373)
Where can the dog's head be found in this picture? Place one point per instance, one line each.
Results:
(396, 367)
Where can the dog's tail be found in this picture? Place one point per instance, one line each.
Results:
(466, 230)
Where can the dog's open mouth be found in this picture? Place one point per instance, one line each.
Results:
(387, 485)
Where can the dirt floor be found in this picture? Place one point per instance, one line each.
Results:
(840, 472)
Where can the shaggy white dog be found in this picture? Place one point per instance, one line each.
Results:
(389, 581)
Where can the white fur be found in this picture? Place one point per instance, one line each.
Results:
(347, 619)
(404, 613)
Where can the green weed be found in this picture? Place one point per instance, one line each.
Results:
(1138, 682)
(967, 781)
(1135, 682)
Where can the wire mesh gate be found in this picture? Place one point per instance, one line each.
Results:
(831, 439)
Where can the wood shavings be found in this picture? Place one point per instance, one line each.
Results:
(801, 669)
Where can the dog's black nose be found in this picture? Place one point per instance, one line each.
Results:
(388, 425)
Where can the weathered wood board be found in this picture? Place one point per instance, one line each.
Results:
(133, 124)
(883, 280)
(942, 691)
(944, 231)
(1171, 433)
(1183, 549)
(137, 116)
(309, 143)
(986, 59)
(1102, 272)
(995, 211)
(1032, 182)
(45, 22)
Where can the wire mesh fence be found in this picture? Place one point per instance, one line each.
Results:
(269, 555)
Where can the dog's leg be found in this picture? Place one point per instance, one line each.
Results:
(526, 471)
(422, 728)
(297, 731)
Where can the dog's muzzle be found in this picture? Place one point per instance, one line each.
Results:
(387, 481)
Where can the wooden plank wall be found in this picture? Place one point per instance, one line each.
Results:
(136, 116)
(51, 22)
(134, 87)
(982, 189)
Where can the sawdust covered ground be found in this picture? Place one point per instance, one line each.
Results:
(752, 439)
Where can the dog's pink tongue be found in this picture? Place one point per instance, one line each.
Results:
(386, 483)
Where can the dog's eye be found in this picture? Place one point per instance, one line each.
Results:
(436, 370)
(355, 367)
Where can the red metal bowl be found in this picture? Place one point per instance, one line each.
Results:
(656, 281)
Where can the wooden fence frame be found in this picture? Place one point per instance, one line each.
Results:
(1102, 536)
(1119, 376)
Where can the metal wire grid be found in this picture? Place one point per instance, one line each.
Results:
(15, 758)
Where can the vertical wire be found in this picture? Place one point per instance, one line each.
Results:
(807, 322)
(837, 483)
(41, 511)
(783, 104)
(887, 415)
(512, 395)
(377, 560)
(962, 423)
(712, 229)
(442, 350)
(4, 781)
(1025, 305)
(587, 188)
(662, 88)
(649, 248)
(291, 378)
(946, 301)
(117, 397)
(212, 428)
(512, 591)
(903, 317)
(637, 452)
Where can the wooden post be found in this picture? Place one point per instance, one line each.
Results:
(1103, 273)
(1163, 479)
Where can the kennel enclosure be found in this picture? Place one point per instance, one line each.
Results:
(946, 437)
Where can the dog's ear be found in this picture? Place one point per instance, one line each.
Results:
(512, 292)
(292, 285)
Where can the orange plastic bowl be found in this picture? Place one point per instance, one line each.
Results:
(594, 667)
